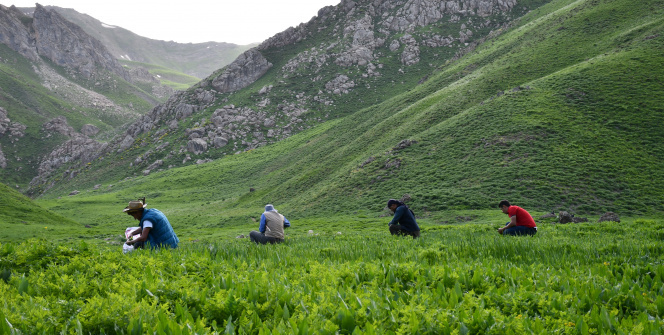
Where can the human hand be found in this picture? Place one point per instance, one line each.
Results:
(500, 230)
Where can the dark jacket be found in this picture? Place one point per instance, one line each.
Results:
(405, 217)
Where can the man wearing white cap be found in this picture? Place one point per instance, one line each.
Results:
(154, 227)
(271, 229)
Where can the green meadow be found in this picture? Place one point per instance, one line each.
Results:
(561, 111)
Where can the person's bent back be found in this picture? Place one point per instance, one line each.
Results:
(521, 222)
(403, 222)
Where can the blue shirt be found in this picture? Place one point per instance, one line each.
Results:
(261, 228)
(405, 217)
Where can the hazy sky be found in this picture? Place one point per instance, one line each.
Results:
(233, 21)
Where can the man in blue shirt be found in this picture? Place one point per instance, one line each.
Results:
(403, 222)
(271, 229)
(154, 227)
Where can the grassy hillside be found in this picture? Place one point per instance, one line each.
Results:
(167, 77)
(21, 218)
(562, 112)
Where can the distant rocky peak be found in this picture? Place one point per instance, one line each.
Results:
(48, 34)
(67, 45)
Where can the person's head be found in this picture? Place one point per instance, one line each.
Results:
(269, 208)
(504, 206)
(135, 209)
(392, 204)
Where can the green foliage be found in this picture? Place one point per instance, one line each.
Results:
(454, 279)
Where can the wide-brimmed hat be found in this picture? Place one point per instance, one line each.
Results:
(134, 206)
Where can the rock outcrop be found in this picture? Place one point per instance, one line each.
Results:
(66, 44)
(246, 69)
(79, 148)
(609, 216)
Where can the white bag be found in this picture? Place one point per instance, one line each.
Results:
(127, 248)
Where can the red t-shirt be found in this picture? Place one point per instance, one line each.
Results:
(523, 218)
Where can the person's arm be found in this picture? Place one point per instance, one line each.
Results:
(135, 231)
(397, 215)
(142, 238)
(286, 223)
(261, 228)
(509, 225)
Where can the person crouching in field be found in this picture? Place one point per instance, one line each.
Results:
(521, 222)
(403, 222)
(154, 227)
(271, 229)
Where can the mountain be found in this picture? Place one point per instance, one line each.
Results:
(59, 88)
(195, 59)
(349, 57)
(453, 105)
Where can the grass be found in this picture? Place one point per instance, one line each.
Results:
(581, 278)
(166, 76)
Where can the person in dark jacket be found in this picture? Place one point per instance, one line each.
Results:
(154, 227)
(403, 222)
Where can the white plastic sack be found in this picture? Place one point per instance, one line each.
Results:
(129, 230)
(127, 248)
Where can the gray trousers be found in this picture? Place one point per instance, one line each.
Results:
(259, 237)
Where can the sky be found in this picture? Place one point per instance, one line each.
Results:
(195, 21)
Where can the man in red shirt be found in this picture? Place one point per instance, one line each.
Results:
(521, 223)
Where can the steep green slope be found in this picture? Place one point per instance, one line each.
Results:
(564, 111)
(20, 217)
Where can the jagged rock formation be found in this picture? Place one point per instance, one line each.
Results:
(13, 130)
(78, 148)
(66, 44)
(248, 67)
(49, 35)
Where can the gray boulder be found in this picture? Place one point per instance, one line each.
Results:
(89, 130)
(219, 142)
(197, 146)
(564, 217)
(245, 70)
(3, 160)
(609, 216)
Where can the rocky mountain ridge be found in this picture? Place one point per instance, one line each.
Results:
(54, 74)
(195, 59)
(347, 57)
(48, 34)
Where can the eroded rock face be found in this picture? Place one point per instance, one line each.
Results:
(66, 44)
(80, 149)
(246, 69)
(59, 125)
(89, 130)
(14, 34)
(14, 130)
(3, 160)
